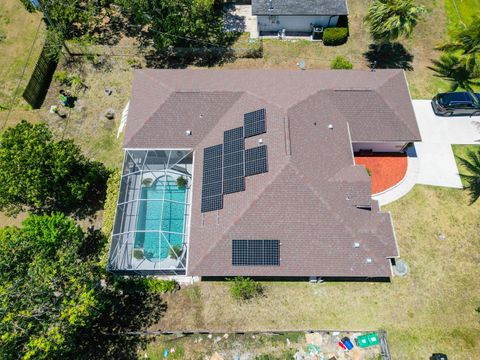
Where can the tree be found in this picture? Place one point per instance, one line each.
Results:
(472, 179)
(389, 20)
(176, 23)
(40, 174)
(72, 18)
(451, 68)
(48, 290)
(466, 46)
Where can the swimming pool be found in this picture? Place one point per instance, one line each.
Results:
(161, 214)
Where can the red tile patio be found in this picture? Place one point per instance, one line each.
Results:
(386, 169)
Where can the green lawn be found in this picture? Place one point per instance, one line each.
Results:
(432, 309)
(19, 28)
(466, 9)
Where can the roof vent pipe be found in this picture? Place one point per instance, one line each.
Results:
(356, 244)
(330, 126)
(188, 132)
(369, 260)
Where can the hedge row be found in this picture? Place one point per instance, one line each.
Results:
(335, 36)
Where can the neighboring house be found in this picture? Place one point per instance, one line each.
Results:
(273, 190)
(296, 16)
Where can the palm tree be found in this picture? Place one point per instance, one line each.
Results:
(466, 44)
(450, 68)
(472, 180)
(390, 19)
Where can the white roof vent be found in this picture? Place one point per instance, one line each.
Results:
(330, 126)
(369, 260)
(356, 244)
(260, 141)
(188, 132)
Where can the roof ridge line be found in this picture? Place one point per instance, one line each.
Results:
(377, 90)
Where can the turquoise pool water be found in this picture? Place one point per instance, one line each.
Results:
(160, 216)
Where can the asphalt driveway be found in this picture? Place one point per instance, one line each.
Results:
(436, 162)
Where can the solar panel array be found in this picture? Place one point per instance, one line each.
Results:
(233, 160)
(226, 165)
(255, 252)
(256, 160)
(212, 197)
(254, 122)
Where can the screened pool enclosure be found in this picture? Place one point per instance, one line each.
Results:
(151, 229)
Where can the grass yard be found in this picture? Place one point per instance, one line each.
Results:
(466, 10)
(431, 309)
(19, 28)
(461, 151)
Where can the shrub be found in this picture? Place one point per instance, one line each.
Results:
(175, 251)
(144, 284)
(138, 254)
(244, 288)
(113, 186)
(335, 36)
(341, 63)
(181, 182)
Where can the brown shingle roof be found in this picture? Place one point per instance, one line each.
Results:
(308, 200)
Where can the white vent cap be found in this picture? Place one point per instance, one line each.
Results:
(188, 132)
(369, 260)
(356, 244)
(330, 126)
(260, 141)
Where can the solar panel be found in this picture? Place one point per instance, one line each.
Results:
(256, 167)
(256, 153)
(212, 163)
(254, 116)
(254, 123)
(214, 188)
(212, 176)
(212, 151)
(256, 160)
(255, 129)
(233, 134)
(212, 203)
(234, 146)
(230, 172)
(255, 252)
(233, 158)
(233, 185)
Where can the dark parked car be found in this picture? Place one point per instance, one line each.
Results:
(456, 103)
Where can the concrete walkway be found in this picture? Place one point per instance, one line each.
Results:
(431, 161)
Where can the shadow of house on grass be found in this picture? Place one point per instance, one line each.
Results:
(389, 56)
(115, 334)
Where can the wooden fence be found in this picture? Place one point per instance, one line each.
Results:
(41, 78)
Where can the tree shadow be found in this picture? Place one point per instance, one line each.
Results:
(115, 334)
(182, 58)
(389, 56)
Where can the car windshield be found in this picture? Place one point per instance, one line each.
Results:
(454, 98)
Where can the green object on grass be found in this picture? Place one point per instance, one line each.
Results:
(373, 339)
(362, 341)
(370, 339)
